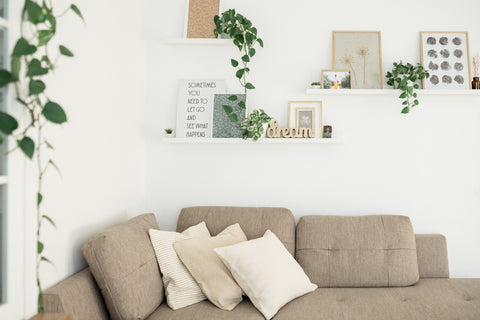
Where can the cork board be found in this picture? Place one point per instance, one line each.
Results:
(200, 18)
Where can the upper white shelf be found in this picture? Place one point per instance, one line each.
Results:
(393, 92)
(198, 42)
(250, 141)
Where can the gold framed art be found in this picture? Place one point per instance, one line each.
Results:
(446, 57)
(305, 114)
(360, 52)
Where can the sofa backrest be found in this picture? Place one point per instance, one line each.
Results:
(254, 221)
(432, 256)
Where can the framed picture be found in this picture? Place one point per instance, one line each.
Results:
(199, 18)
(336, 79)
(306, 114)
(360, 52)
(446, 56)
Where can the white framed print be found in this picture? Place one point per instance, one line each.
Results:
(446, 57)
(305, 114)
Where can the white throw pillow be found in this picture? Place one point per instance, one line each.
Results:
(267, 272)
(181, 290)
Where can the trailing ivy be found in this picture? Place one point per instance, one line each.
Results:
(245, 38)
(33, 60)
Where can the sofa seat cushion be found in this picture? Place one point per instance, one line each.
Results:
(205, 310)
(364, 251)
(429, 299)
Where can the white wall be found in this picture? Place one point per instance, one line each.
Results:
(424, 165)
(100, 150)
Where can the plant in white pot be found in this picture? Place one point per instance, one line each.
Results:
(33, 62)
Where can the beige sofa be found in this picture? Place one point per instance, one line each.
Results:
(435, 296)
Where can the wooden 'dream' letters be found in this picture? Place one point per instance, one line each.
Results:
(275, 132)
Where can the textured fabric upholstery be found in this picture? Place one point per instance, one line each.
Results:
(365, 251)
(432, 256)
(429, 299)
(253, 221)
(77, 296)
(124, 265)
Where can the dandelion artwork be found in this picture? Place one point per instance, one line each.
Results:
(336, 79)
(306, 114)
(360, 52)
(445, 55)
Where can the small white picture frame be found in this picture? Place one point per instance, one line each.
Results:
(308, 114)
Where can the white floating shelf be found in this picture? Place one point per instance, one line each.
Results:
(393, 92)
(250, 141)
(3, 180)
(198, 42)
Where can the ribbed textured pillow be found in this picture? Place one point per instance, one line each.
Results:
(181, 290)
(208, 270)
(267, 272)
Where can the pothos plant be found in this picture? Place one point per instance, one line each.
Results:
(245, 38)
(253, 124)
(404, 77)
(32, 62)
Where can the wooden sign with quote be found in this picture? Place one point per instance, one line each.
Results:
(275, 132)
(200, 16)
(195, 107)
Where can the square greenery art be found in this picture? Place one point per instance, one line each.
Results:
(223, 126)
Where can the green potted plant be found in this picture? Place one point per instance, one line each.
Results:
(316, 85)
(169, 133)
(255, 125)
(404, 77)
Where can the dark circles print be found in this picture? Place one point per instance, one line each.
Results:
(459, 79)
(445, 65)
(445, 53)
(432, 53)
(458, 53)
(458, 66)
(457, 41)
(432, 41)
(446, 79)
(443, 41)
(434, 80)
(432, 66)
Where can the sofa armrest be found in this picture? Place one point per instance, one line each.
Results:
(77, 296)
(432, 256)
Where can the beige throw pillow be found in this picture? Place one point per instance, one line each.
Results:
(267, 272)
(208, 270)
(181, 290)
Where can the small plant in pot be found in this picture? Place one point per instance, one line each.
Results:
(253, 125)
(169, 133)
(316, 85)
(404, 77)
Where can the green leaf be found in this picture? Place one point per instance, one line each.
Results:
(233, 117)
(8, 124)
(233, 98)
(54, 113)
(410, 90)
(44, 36)
(36, 87)
(228, 109)
(5, 77)
(39, 198)
(240, 73)
(249, 86)
(35, 13)
(39, 247)
(246, 58)
(49, 220)
(27, 146)
(65, 51)
(47, 260)
(234, 63)
(251, 52)
(16, 65)
(241, 104)
(77, 11)
(406, 110)
(260, 42)
(35, 69)
(403, 95)
(23, 48)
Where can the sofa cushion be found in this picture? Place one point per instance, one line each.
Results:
(429, 299)
(253, 221)
(208, 270)
(432, 256)
(125, 268)
(365, 251)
